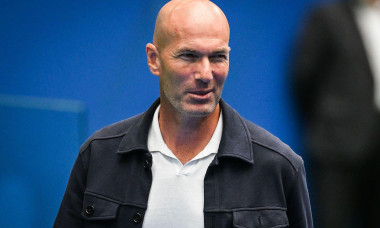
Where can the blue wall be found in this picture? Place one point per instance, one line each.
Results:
(94, 52)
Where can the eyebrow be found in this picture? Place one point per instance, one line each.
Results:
(188, 50)
(221, 51)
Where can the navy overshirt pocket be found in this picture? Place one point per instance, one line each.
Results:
(97, 207)
(263, 218)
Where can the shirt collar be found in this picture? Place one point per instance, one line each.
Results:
(236, 139)
(156, 142)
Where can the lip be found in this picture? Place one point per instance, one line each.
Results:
(201, 93)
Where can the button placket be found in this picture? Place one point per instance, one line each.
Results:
(188, 168)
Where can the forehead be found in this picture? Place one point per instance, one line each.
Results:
(196, 22)
(193, 30)
(200, 45)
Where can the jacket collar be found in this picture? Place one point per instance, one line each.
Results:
(236, 140)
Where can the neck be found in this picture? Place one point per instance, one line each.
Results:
(187, 136)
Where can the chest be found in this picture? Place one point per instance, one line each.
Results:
(228, 195)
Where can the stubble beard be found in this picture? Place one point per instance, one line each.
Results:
(188, 108)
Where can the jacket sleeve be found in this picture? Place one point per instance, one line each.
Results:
(298, 202)
(69, 214)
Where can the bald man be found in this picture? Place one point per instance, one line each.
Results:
(189, 161)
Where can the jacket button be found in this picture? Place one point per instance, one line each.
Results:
(146, 164)
(90, 210)
(137, 218)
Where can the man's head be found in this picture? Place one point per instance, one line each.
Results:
(190, 55)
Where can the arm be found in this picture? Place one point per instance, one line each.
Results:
(298, 203)
(69, 214)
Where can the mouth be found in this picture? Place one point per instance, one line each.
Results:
(201, 94)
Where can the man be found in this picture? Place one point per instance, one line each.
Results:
(337, 85)
(190, 160)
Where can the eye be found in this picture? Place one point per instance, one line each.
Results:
(218, 58)
(188, 56)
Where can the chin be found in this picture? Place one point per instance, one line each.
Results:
(199, 110)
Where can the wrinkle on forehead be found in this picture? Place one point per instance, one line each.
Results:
(186, 17)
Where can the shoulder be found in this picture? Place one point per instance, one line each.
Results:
(113, 131)
(268, 147)
(252, 143)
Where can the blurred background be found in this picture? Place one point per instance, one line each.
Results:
(68, 68)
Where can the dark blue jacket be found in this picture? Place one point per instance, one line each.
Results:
(255, 180)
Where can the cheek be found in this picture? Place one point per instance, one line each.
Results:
(220, 81)
(171, 74)
(181, 75)
(177, 81)
(221, 74)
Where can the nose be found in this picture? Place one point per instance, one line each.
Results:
(204, 71)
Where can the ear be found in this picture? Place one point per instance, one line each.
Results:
(153, 61)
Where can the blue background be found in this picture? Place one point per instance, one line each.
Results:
(68, 68)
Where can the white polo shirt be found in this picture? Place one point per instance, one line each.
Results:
(177, 193)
